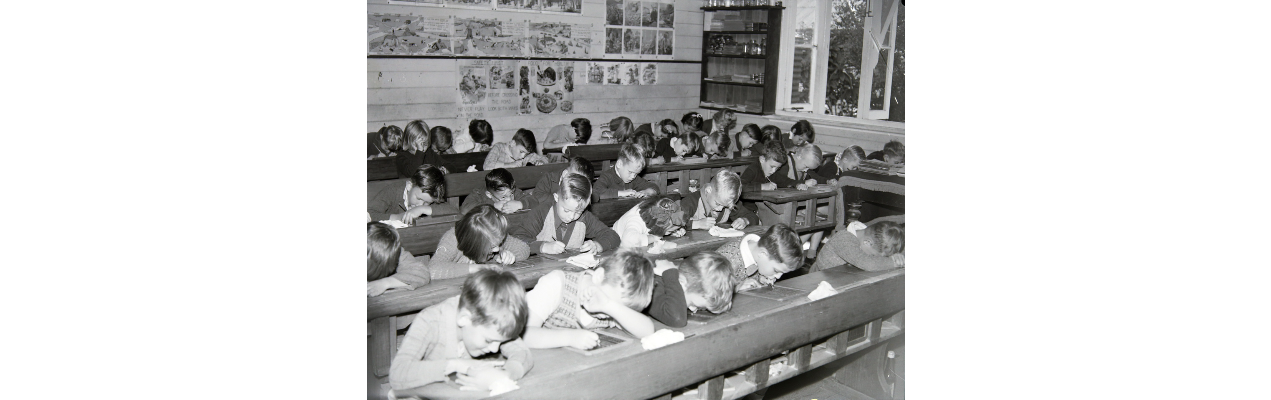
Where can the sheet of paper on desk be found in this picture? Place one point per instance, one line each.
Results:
(661, 338)
(662, 246)
(778, 293)
(822, 291)
(725, 232)
(585, 260)
(395, 223)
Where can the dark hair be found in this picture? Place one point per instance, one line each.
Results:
(525, 138)
(897, 149)
(383, 248)
(480, 229)
(725, 115)
(631, 272)
(661, 215)
(583, 166)
(644, 141)
(709, 274)
(804, 128)
(774, 150)
(721, 141)
(392, 136)
(751, 131)
(621, 129)
(669, 122)
(416, 129)
(499, 179)
(431, 180)
(582, 130)
(481, 132)
(782, 245)
(495, 298)
(441, 140)
(692, 120)
(574, 186)
(631, 153)
(770, 133)
(886, 237)
(691, 140)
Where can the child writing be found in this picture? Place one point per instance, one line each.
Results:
(521, 151)
(549, 184)
(692, 121)
(749, 140)
(501, 192)
(384, 142)
(771, 133)
(848, 160)
(796, 172)
(564, 305)
(892, 153)
(488, 316)
(801, 133)
(666, 128)
(416, 149)
(482, 134)
(646, 144)
(478, 239)
(649, 221)
(877, 246)
(761, 174)
(715, 145)
(677, 148)
(577, 132)
(702, 281)
(723, 121)
(441, 140)
(759, 260)
(424, 193)
(716, 203)
(564, 223)
(384, 255)
(623, 180)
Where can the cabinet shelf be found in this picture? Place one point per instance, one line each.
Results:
(745, 95)
(737, 56)
(770, 8)
(715, 82)
(737, 32)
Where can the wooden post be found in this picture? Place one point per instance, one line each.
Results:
(801, 357)
(712, 389)
(381, 345)
(838, 343)
(757, 373)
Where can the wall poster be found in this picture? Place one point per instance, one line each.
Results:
(640, 29)
(497, 88)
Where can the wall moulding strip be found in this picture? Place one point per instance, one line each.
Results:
(534, 59)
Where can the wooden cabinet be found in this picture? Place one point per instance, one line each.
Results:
(739, 58)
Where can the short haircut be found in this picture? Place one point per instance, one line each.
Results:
(582, 130)
(669, 123)
(621, 128)
(525, 138)
(580, 165)
(431, 180)
(752, 131)
(479, 230)
(632, 273)
(774, 150)
(886, 237)
(709, 274)
(804, 128)
(897, 149)
(383, 248)
(727, 185)
(644, 141)
(575, 187)
(391, 135)
(413, 132)
(441, 140)
(811, 152)
(770, 133)
(717, 142)
(481, 132)
(852, 156)
(495, 298)
(782, 245)
(726, 117)
(661, 214)
(630, 153)
(691, 140)
(692, 120)
(498, 179)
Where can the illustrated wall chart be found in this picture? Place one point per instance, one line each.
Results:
(399, 34)
(499, 88)
(543, 6)
(640, 28)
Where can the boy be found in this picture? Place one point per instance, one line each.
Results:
(500, 191)
(715, 203)
(487, 316)
(549, 184)
(577, 132)
(564, 305)
(565, 223)
(749, 140)
(760, 174)
(892, 153)
(700, 281)
(801, 160)
(623, 180)
(759, 260)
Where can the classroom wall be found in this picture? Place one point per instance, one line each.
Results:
(403, 89)
(831, 136)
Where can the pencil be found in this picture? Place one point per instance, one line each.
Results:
(402, 206)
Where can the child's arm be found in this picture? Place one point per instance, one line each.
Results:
(640, 184)
(550, 338)
(600, 233)
(516, 247)
(409, 367)
(411, 272)
(474, 199)
(378, 287)
(668, 305)
(443, 259)
(633, 321)
(742, 214)
(607, 185)
(519, 359)
(442, 208)
(751, 178)
(527, 230)
(542, 301)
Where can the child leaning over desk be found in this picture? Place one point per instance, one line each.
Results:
(700, 281)
(478, 239)
(501, 192)
(878, 246)
(564, 223)
(623, 179)
(564, 305)
(520, 152)
(759, 260)
(716, 203)
(549, 184)
(404, 200)
(384, 256)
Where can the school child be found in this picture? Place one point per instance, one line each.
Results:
(847, 160)
(482, 135)
(520, 152)
(716, 203)
(799, 171)
(771, 133)
(424, 193)
(892, 153)
(645, 143)
(749, 140)
(877, 246)
(620, 130)
(564, 305)
(488, 316)
(700, 281)
(723, 121)
(564, 223)
(715, 145)
(801, 133)
(677, 148)
(479, 238)
(650, 220)
(549, 184)
(623, 179)
(759, 260)
(501, 192)
(760, 175)
(416, 149)
(441, 140)
(691, 121)
(383, 143)
(666, 128)
(385, 256)
(577, 132)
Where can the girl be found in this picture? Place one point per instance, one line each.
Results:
(384, 255)
(666, 128)
(577, 132)
(715, 145)
(416, 149)
(404, 200)
(441, 140)
(648, 221)
(383, 143)
(675, 149)
(772, 132)
(482, 135)
(480, 237)
(877, 246)
(692, 121)
(801, 133)
(723, 121)
(621, 129)
(521, 151)
(549, 184)
(564, 223)
(749, 140)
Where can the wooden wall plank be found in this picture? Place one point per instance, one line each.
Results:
(435, 95)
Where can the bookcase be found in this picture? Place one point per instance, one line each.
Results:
(739, 56)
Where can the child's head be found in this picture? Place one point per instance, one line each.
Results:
(630, 162)
(499, 184)
(621, 129)
(645, 142)
(667, 128)
(481, 132)
(580, 166)
(723, 190)
(382, 250)
(480, 233)
(391, 136)
(441, 140)
(573, 198)
(661, 214)
(628, 277)
(771, 133)
(850, 158)
(772, 156)
(894, 152)
(780, 251)
(748, 136)
(428, 186)
(724, 118)
(692, 120)
(883, 238)
(707, 281)
(686, 144)
(806, 157)
(416, 137)
(802, 132)
(582, 130)
(492, 310)
(715, 144)
(523, 143)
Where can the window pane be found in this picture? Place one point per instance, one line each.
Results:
(801, 82)
(846, 30)
(805, 23)
(898, 70)
(880, 82)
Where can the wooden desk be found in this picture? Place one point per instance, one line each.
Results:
(601, 156)
(382, 168)
(702, 171)
(781, 205)
(864, 187)
(422, 237)
(457, 163)
(460, 184)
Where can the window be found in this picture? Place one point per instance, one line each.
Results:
(862, 44)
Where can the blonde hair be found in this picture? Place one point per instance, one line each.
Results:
(632, 273)
(709, 274)
(727, 186)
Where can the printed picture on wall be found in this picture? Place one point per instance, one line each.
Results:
(474, 84)
(631, 41)
(479, 4)
(613, 12)
(567, 75)
(563, 6)
(613, 74)
(613, 40)
(557, 39)
(515, 4)
(666, 15)
(407, 34)
(595, 73)
(632, 15)
(666, 42)
(650, 75)
(630, 73)
(647, 38)
(488, 37)
(649, 14)
(525, 104)
(525, 80)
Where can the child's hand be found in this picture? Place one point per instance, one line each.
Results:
(704, 223)
(415, 212)
(650, 192)
(899, 259)
(481, 377)
(768, 186)
(678, 232)
(504, 258)
(740, 223)
(584, 339)
(511, 206)
(595, 300)
(660, 266)
(626, 193)
(834, 182)
(745, 153)
(376, 287)
(464, 366)
(552, 248)
(749, 283)
(801, 186)
(810, 182)
(591, 246)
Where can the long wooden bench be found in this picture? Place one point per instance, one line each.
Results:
(602, 156)
(460, 184)
(682, 172)
(782, 205)
(382, 168)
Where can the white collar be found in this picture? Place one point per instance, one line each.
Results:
(748, 259)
